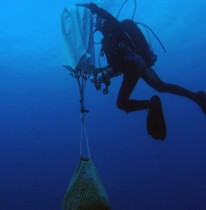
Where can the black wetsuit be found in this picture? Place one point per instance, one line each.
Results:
(133, 62)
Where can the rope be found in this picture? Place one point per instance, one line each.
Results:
(81, 139)
(83, 129)
(82, 77)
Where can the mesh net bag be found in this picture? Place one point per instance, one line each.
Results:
(86, 191)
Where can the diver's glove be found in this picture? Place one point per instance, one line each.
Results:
(90, 6)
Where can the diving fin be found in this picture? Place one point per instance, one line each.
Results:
(156, 125)
(201, 100)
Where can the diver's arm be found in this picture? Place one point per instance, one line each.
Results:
(102, 13)
(99, 12)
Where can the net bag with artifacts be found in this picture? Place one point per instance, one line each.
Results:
(86, 191)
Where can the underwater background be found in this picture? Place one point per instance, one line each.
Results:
(39, 112)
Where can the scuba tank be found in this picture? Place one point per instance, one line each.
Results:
(138, 42)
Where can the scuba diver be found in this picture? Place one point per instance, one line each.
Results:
(128, 53)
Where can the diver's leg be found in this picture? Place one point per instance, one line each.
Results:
(151, 78)
(130, 79)
(154, 81)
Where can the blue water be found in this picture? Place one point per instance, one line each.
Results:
(39, 113)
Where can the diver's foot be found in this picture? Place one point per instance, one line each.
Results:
(156, 126)
(201, 100)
